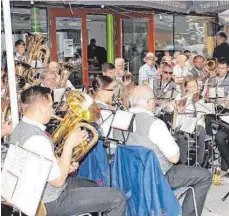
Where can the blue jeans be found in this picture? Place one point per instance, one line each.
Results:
(83, 196)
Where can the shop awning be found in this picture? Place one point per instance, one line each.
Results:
(168, 5)
(224, 18)
(210, 6)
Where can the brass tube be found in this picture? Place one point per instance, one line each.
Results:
(57, 117)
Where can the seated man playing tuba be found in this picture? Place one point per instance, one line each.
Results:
(63, 195)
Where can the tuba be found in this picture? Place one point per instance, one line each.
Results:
(38, 52)
(81, 108)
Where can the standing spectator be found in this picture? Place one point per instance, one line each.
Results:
(148, 70)
(222, 48)
(20, 50)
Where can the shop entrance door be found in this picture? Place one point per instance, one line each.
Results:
(136, 39)
(67, 28)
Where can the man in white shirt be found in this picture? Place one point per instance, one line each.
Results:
(63, 195)
(53, 66)
(20, 50)
(180, 70)
(152, 133)
(119, 69)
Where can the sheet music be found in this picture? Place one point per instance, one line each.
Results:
(122, 120)
(24, 176)
(225, 118)
(189, 125)
(219, 91)
(57, 95)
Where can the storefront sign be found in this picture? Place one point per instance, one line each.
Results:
(210, 6)
(68, 48)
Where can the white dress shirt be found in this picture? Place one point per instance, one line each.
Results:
(178, 72)
(40, 145)
(159, 135)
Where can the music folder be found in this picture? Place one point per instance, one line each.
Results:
(24, 176)
(216, 92)
(123, 121)
(58, 94)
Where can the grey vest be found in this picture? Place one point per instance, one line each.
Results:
(160, 89)
(194, 72)
(141, 137)
(20, 135)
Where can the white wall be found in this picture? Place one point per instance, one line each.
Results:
(97, 30)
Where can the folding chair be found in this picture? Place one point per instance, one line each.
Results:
(179, 192)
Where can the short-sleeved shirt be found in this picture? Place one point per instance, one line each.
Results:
(41, 146)
(146, 73)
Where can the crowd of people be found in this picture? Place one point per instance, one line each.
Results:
(174, 88)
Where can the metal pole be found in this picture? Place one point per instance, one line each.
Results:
(10, 62)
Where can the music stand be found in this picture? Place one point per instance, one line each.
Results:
(118, 125)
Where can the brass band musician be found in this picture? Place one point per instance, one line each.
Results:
(186, 103)
(63, 195)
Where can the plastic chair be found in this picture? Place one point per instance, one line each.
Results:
(179, 192)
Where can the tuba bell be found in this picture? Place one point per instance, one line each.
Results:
(81, 108)
(211, 65)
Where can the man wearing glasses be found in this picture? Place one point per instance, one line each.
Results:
(165, 83)
(148, 70)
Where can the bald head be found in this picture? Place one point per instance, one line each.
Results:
(142, 96)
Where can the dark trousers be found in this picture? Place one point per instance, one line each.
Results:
(222, 141)
(182, 142)
(83, 196)
(184, 176)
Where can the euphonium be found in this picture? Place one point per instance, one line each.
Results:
(81, 108)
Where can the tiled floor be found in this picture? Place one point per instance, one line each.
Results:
(214, 202)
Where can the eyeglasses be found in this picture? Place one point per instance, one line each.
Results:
(168, 72)
(110, 90)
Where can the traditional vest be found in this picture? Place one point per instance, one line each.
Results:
(141, 138)
(22, 132)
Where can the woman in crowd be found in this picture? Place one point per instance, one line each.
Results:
(103, 90)
(186, 105)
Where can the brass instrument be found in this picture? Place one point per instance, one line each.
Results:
(66, 70)
(37, 52)
(211, 65)
(5, 104)
(81, 108)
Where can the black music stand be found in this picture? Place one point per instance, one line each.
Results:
(107, 140)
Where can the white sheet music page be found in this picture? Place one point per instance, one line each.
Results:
(122, 120)
(225, 118)
(189, 125)
(24, 176)
(216, 91)
(58, 93)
